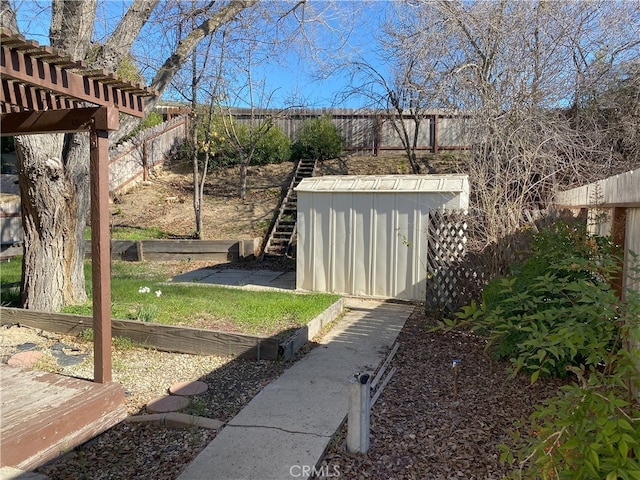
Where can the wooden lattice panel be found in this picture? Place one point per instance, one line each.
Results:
(447, 276)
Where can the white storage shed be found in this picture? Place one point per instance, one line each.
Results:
(367, 235)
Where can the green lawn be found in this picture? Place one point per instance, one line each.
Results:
(133, 296)
(132, 233)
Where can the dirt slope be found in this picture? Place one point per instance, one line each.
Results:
(166, 200)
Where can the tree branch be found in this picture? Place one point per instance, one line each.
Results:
(119, 43)
(186, 46)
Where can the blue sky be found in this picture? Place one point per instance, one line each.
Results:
(291, 77)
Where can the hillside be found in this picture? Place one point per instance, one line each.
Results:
(166, 200)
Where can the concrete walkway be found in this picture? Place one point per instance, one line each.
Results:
(240, 278)
(283, 432)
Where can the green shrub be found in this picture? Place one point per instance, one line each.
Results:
(318, 139)
(556, 315)
(557, 309)
(274, 147)
(591, 428)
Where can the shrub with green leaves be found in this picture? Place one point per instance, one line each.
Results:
(273, 147)
(557, 314)
(230, 141)
(555, 311)
(318, 139)
(591, 429)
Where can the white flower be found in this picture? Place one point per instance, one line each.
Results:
(158, 293)
(144, 290)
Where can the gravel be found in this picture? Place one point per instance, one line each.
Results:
(421, 427)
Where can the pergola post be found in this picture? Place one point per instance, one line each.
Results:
(100, 254)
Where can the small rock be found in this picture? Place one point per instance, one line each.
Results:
(25, 359)
(188, 388)
(26, 347)
(169, 403)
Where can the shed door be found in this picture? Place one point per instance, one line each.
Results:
(363, 243)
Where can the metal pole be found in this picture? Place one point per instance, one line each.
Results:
(359, 414)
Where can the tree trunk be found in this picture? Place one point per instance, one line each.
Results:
(243, 177)
(54, 169)
(54, 212)
(197, 197)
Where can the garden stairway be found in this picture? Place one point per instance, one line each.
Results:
(283, 233)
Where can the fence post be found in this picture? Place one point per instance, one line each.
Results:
(145, 167)
(359, 414)
(618, 237)
(436, 119)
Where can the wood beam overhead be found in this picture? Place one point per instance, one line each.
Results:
(32, 73)
(59, 121)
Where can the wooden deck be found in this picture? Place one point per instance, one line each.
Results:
(44, 415)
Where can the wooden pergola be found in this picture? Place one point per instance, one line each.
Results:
(44, 91)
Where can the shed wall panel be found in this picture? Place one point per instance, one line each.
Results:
(367, 236)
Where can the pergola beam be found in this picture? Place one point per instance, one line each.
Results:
(59, 121)
(20, 67)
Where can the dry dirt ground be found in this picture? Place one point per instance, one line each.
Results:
(165, 201)
(424, 426)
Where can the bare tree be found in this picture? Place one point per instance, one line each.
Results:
(53, 169)
(200, 173)
(515, 68)
(397, 96)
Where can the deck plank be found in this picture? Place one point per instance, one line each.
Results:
(45, 414)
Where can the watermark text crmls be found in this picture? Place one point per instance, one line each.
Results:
(305, 471)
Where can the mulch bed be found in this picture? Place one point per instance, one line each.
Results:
(420, 429)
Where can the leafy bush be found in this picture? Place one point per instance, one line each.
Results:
(226, 150)
(590, 429)
(319, 139)
(557, 314)
(274, 147)
(557, 309)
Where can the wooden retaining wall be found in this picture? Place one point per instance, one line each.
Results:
(170, 338)
(167, 338)
(165, 250)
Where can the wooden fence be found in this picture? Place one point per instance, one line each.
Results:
(612, 207)
(370, 130)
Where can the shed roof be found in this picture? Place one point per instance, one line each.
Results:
(385, 183)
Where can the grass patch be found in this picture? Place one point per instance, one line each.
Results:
(132, 233)
(10, 275)
(138, 292)
(260, 313)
